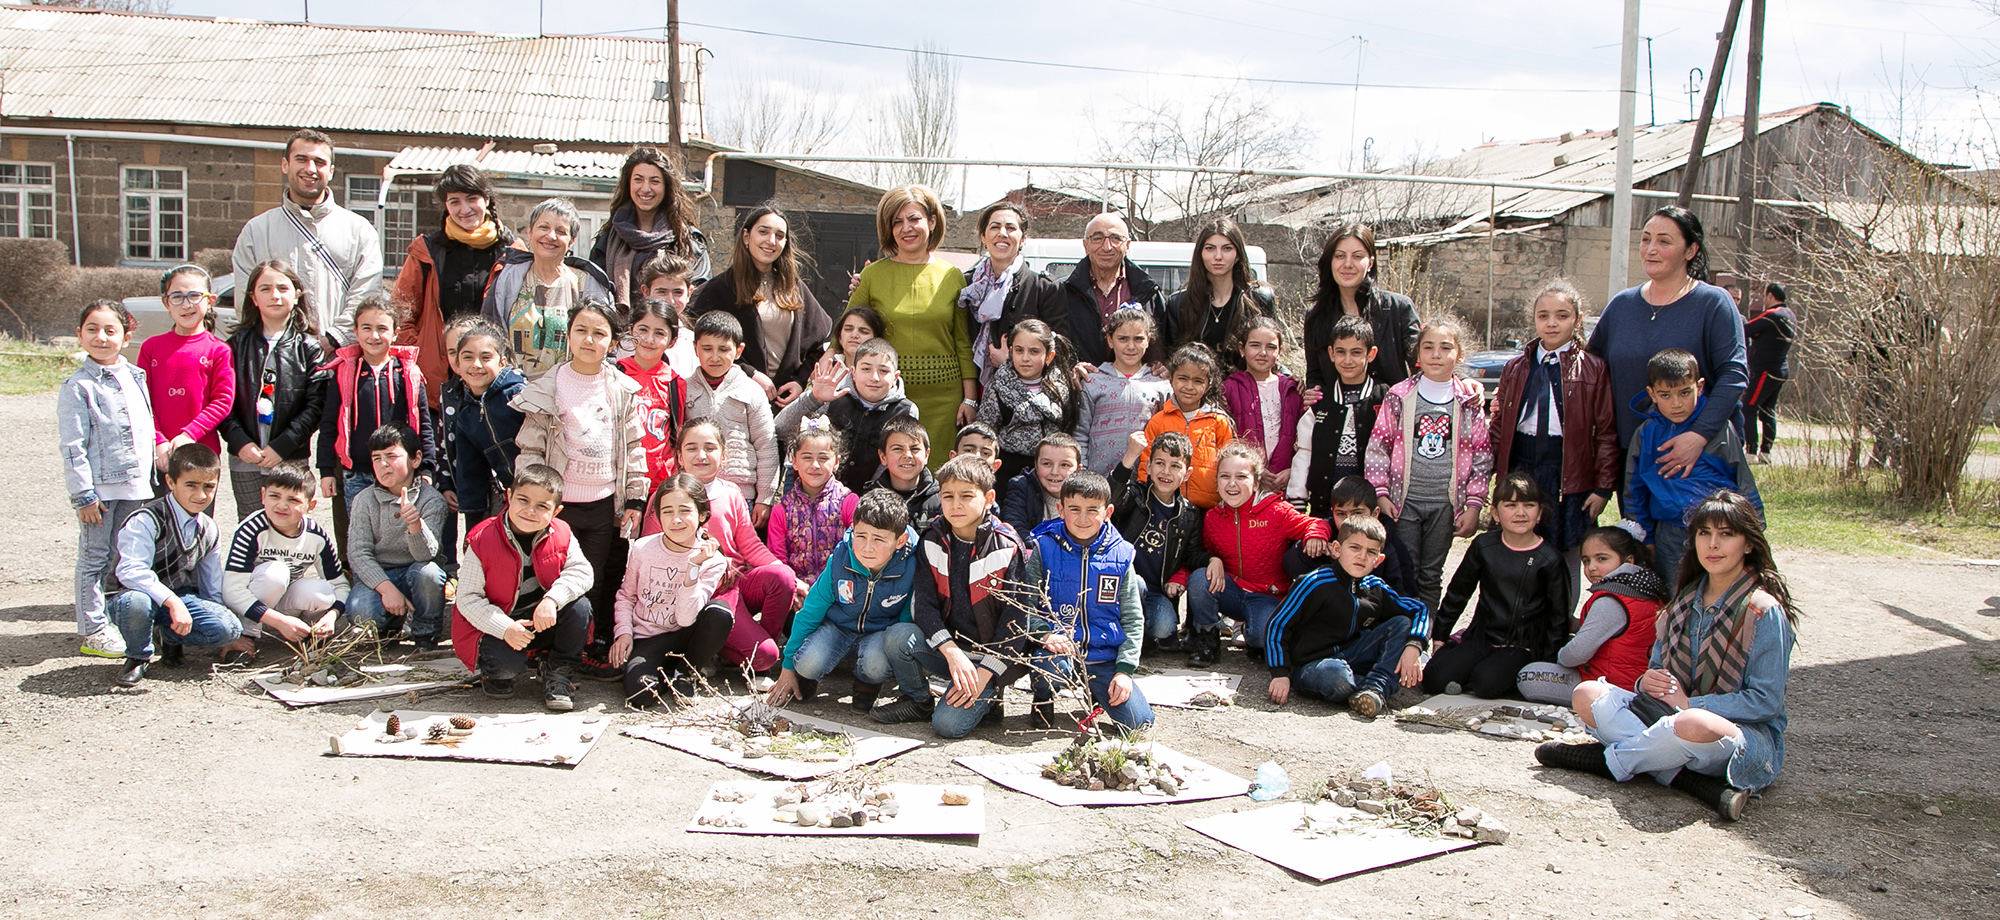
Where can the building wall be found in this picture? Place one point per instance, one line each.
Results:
(1455, 274)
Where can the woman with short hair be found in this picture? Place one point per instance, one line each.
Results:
(917, 295)
(533, 291)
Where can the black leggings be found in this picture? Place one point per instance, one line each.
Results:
(594, 527)
(1483, 670)
(1763, 413)
(697, 643)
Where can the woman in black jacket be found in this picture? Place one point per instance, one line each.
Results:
(1347, 288)
(784, 328)
(279, 386)
(650, 213)
(1221, 295)
(1001, 290)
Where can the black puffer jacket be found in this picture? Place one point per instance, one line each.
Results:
(1522, 596)
(1394, 319)
(1085, 326)
(300, 392)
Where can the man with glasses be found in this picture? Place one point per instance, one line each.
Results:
(335, 251)
(1104, 282)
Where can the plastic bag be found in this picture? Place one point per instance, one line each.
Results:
(1271, 782)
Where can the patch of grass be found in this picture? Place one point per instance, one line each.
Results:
(28, 367)
(1822, 508)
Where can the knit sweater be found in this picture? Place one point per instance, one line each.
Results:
(1113, 406)
(346, 239)
(378, 540)
(664, 588)
(192, 382)
(1023, 413)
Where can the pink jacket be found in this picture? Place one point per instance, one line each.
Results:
(193, 385)
(729, 524)
(1240, 393)
(663, 588)
(1388, 463)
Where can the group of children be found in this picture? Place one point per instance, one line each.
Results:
(627, 517)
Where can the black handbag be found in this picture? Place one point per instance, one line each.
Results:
(1649, 709)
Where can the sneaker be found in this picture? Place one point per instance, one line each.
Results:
(1171, 642)
(1366, 704)
(1715, 792)
(1204, 649)
(557, 688)
(392, 629)
(426, 643)
(135, 671)
(104, 643)
(902, 711)
(598, 669)
(498, 688)
(1583, 758)
(865, 695)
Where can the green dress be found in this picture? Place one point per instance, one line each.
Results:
(919, 303)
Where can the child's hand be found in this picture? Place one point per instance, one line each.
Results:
(251, 453)
(1082, 372)
(1319, 547)
(785, 689)
(1409, 668)
(451, 500)
(790, 391)
(1388, 509)
(545, 615)
(1275, 480)
(621, 650)
(407, 510)
(178, 619)
(324, 627)
(967, 681)
(704, 550)
(1174, 590)
(628, 522)
(1281, 690)
(1215, 575)
(517, 636)
(1134, 446)
(824, 377)
(1468, 522)
(290, 627)
(1593, 505)
(995, 355)
(160, 452)
(760, 515)
(92, 514)
(393, 601)
(328, 486)
(270, 459)
(1313, 395)
(1058, 643)
(1121, 689)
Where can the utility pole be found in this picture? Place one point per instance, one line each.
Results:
(1354, 114)
(1723, 40)
(1652, 87)
(1621, 188)
(674, 76)
(1753, 77)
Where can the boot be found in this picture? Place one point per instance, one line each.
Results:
(1583, 758)
(1204, 648)
(1715, 792)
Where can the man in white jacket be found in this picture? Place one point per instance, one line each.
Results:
(335, 251)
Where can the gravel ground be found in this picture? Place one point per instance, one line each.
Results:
(186, 798)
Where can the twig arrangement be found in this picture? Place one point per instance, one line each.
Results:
(750, 729)
(1502, 721)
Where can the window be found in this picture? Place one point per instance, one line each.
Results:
(394, 216)
(28, 201)
(155, 214)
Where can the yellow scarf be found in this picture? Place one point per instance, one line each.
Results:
(482, 238)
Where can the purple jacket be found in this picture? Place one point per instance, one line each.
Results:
(1239, 391)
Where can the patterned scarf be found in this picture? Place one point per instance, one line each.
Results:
(626, 244)
(1724, 650)
(984, 297)
(812, 526)
(1639, 579)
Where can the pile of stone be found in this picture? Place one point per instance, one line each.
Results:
(1419, 809)
(1113, 764)
(1524, 723)
(800, 805)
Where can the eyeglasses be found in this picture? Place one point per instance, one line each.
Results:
(183, 298)
(1100, 239)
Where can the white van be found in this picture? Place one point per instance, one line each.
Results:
(1167, 263)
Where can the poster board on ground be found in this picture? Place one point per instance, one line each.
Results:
(1272, 834)
(869, 747)
(1177, 689)
(387, 680)
(550, 739)
(1023, 773)
(922, 814)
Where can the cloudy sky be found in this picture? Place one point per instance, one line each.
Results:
(1437, 75)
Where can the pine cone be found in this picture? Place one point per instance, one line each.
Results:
(462, 722)
(395, 726)
(438, 730)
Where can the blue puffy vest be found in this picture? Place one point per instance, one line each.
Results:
(1087, 579)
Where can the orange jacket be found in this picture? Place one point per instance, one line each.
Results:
(423, 319)
(1209, 429)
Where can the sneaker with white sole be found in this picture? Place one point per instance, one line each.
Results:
(104, 643)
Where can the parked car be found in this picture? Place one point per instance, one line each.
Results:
(149, 314)
(1484, 367)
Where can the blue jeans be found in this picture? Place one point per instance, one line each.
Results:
(1670, 542)
(912, 660)
(829, 644)
(1163, 619)
(1632, 747)
(93, 556)
(1133, 713)
(135, 615)
(352, 484)
(422, 583)
(1205, 610)
(1374, 653)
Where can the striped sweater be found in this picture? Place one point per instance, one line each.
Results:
(308, 555)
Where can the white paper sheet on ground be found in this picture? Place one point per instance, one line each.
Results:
(1177, 688)
(553, 739)
(922, 814)
(1271, 834)
(868, 747)
(1023, 773)
(1442, 702)
(401, 677)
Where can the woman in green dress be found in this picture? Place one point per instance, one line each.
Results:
(917, 295)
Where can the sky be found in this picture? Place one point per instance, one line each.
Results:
(1438, 76)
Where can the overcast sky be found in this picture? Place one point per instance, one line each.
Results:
(1912, 69)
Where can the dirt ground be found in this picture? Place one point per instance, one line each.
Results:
(186, 798)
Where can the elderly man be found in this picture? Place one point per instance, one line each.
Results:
(1104, 282)
(335, 251)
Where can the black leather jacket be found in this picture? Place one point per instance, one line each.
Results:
(300, 392)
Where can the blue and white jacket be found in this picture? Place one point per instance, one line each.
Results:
(1092, 592)
(95, 425)
(846, 595)
(1327, 609)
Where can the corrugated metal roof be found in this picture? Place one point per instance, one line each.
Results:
(189, 70)
(568, 164)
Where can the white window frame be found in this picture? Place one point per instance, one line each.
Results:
(161, 206)
(24, 197)
(394, 215)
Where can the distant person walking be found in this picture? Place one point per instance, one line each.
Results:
(1769, 336)
(336, 252)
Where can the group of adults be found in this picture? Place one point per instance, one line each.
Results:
(947, 324)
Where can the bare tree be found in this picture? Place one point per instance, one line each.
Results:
(772, 116)
(1234, 128)
(923, 122)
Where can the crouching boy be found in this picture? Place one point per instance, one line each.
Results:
(282, 572)
(1341, 634)
(521, 588)
(1094, 618)
(166, 570)
(394, 543)
(968, 609)
(864, 591)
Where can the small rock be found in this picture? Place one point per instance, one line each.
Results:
(1371, 806)
(878, 894)
(955, 796)
(1798, 912)
(891, 808)
(1555, 868)
(787, 796)
(809, 813)
(1491, 831)
(1096, 785)
(1934, 811)
(858, 817)
(1470, 816)
(1878, 887)
(843, 820)
(1167, 785)
(1131, 773)
(1344, 798)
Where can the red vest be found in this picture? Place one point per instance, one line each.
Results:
(501, 564)
(1624, 658)
(346, 366)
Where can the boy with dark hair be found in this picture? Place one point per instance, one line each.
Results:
(980, 440)
(1163, 527)
(165, 579)
(1354, 496)
(1033, 496)
(282, 568)
(395, 531)
(1342, 634)
(860, 411)
(864, 591)
(972, 591)
(1093, 618)
(1657, 501)
(722, 392)
(1333, 434)
(521, 588)
(905, 454)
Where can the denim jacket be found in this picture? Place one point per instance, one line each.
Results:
(96, 431)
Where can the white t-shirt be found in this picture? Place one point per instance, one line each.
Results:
(1268, 402)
